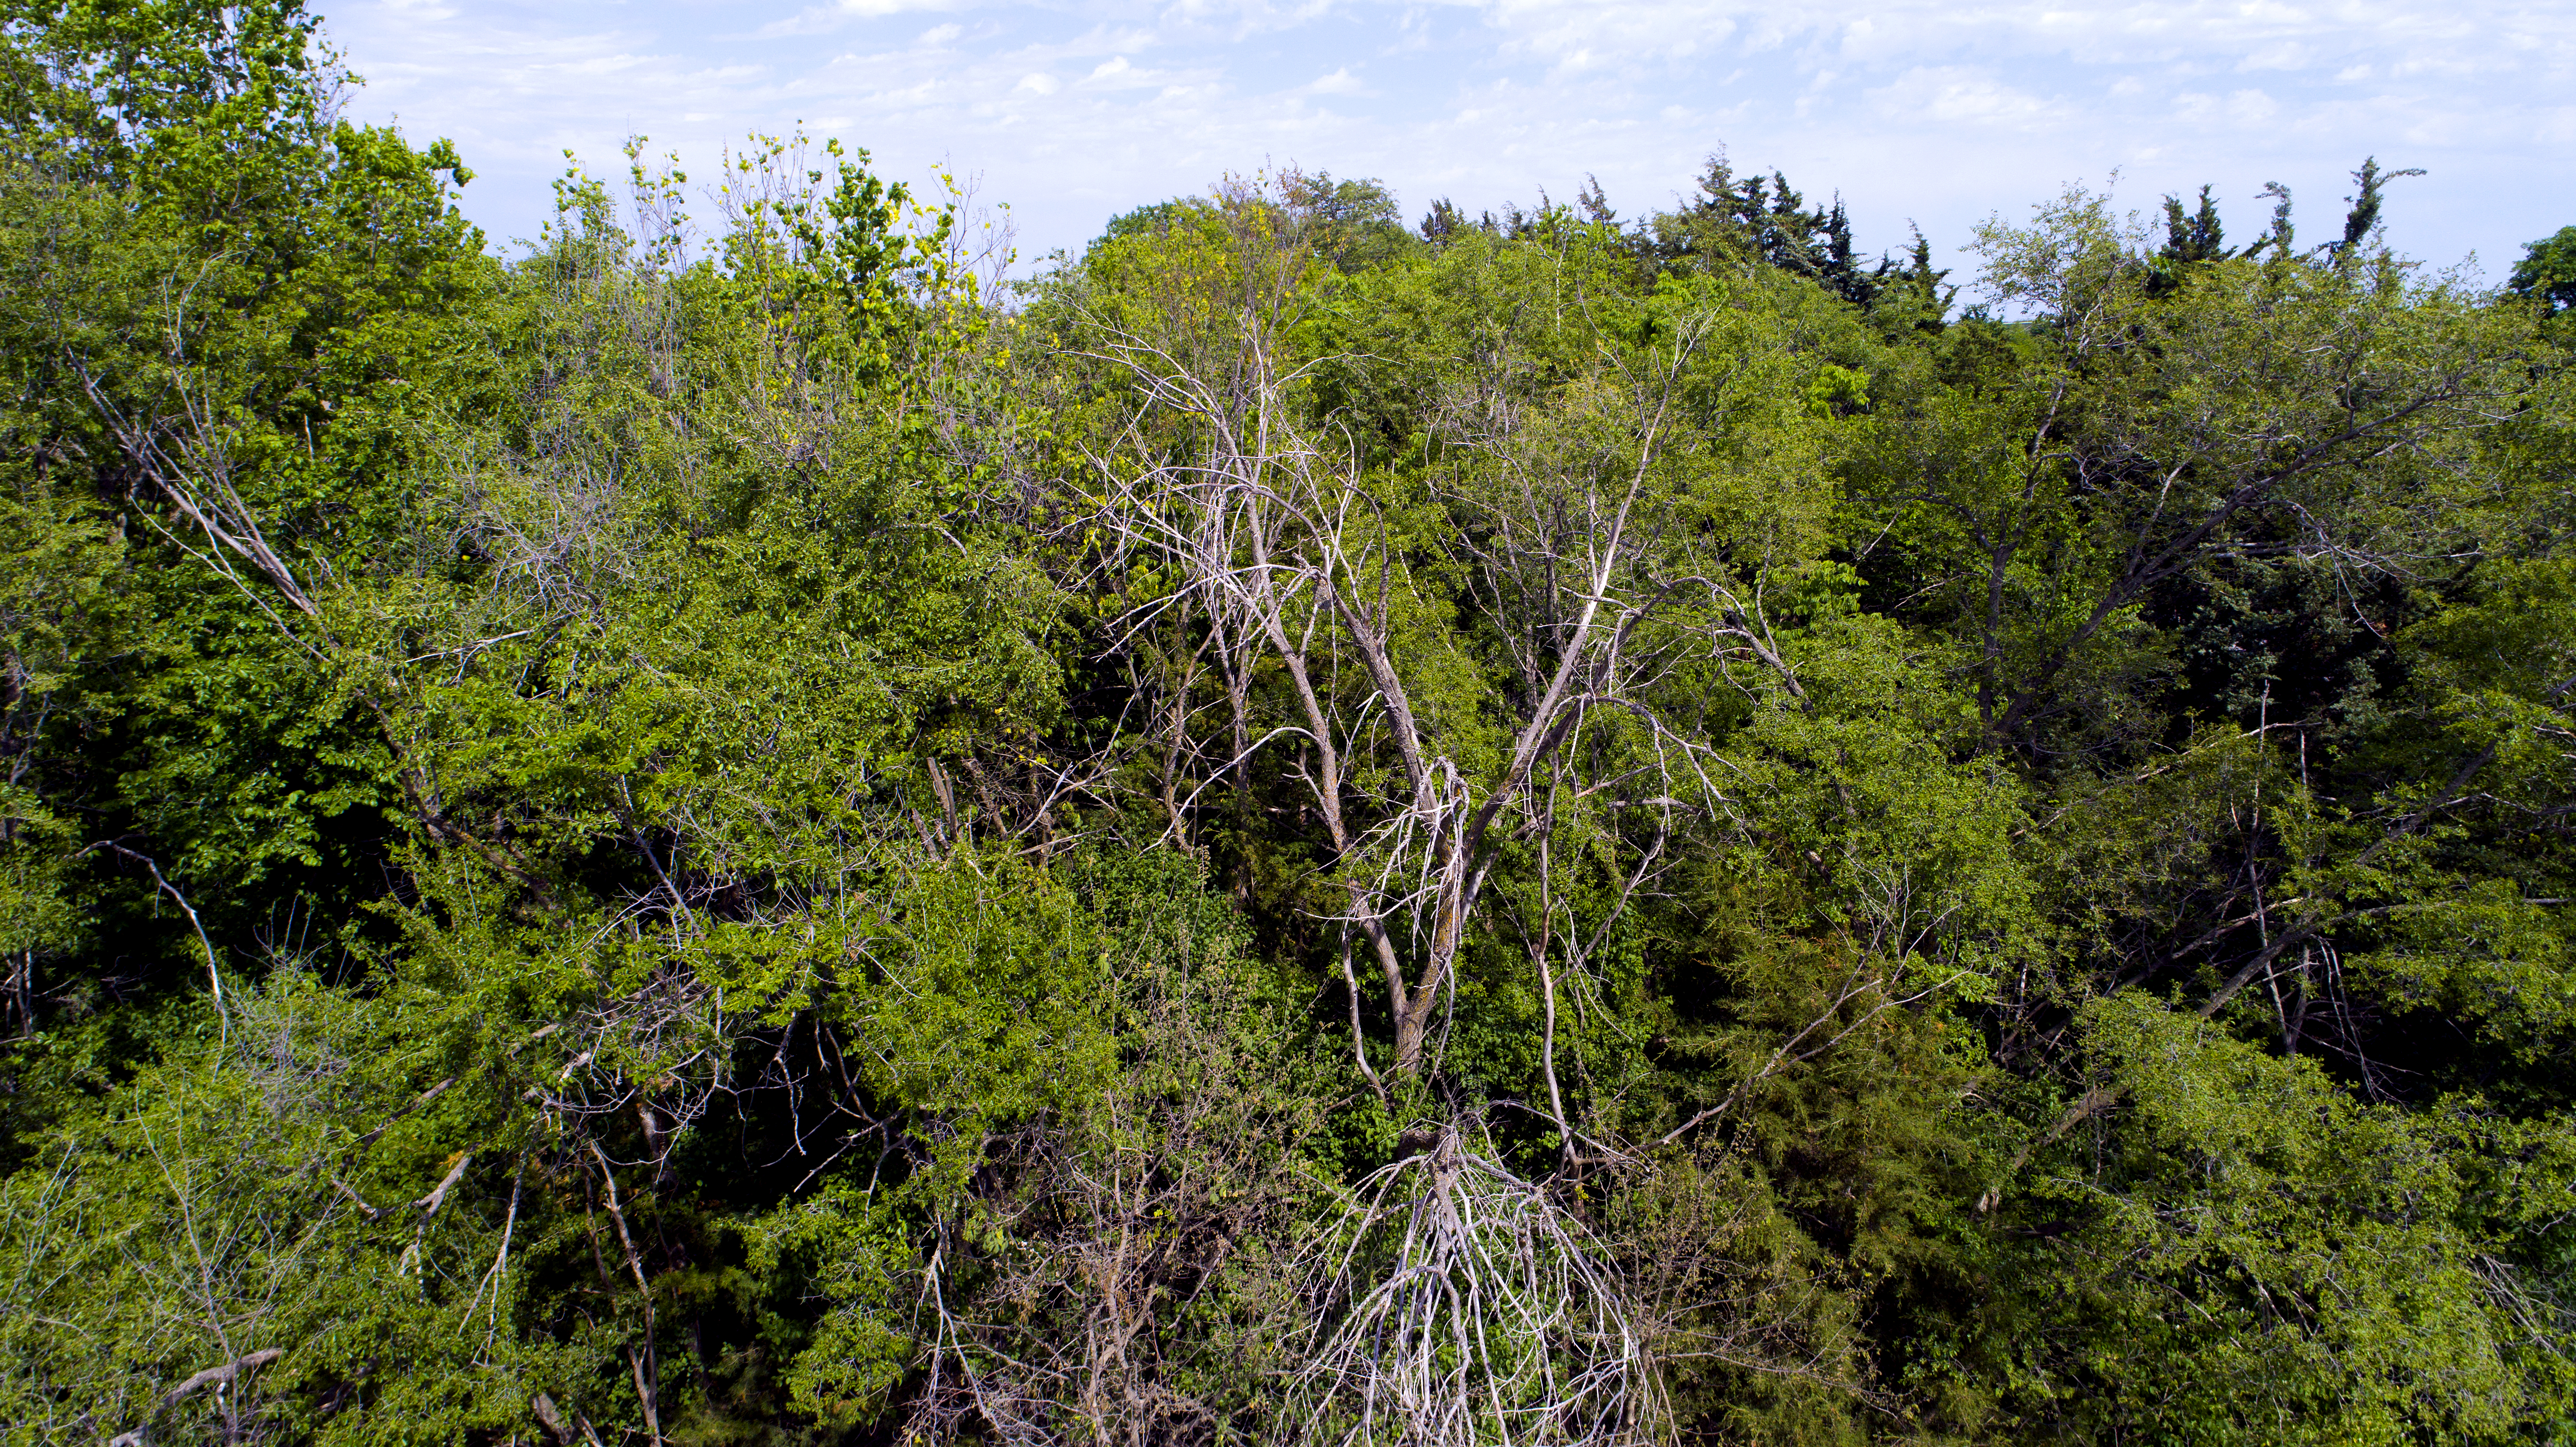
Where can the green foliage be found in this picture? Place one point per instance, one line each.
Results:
(2547, 274)
(2339, 1263)
(1606, 831)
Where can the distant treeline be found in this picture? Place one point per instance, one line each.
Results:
(749, 827)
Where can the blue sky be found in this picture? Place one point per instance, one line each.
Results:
(1915, 110)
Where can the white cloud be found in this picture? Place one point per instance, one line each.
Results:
(1955, 95)
(1928, 109)
(2279, 55)
(823, 19)
(2237, 108)
(2251, 107)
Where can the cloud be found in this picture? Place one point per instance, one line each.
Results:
(1955, 95)
(2237, 108)
(824, 19)
(2279, 55)
(1923, 109)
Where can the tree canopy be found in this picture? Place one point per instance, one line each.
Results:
(748, 827)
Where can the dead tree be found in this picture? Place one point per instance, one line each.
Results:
(1287, 551)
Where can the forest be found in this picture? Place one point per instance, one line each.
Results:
(744, 823)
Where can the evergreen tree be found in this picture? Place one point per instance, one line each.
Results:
(2366, 201)
(2196, 238)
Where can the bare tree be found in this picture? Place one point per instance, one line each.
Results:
(1288, 557)
(1461, 1305)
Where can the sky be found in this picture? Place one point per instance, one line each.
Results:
(1938, 113)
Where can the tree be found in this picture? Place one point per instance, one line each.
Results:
(2547, 274)
(1564, 831)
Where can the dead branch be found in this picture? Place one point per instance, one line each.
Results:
(211, 1376)
(1462, 1305)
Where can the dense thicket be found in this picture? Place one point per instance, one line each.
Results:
(1304, 829)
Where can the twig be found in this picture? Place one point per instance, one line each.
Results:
(214, 977)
